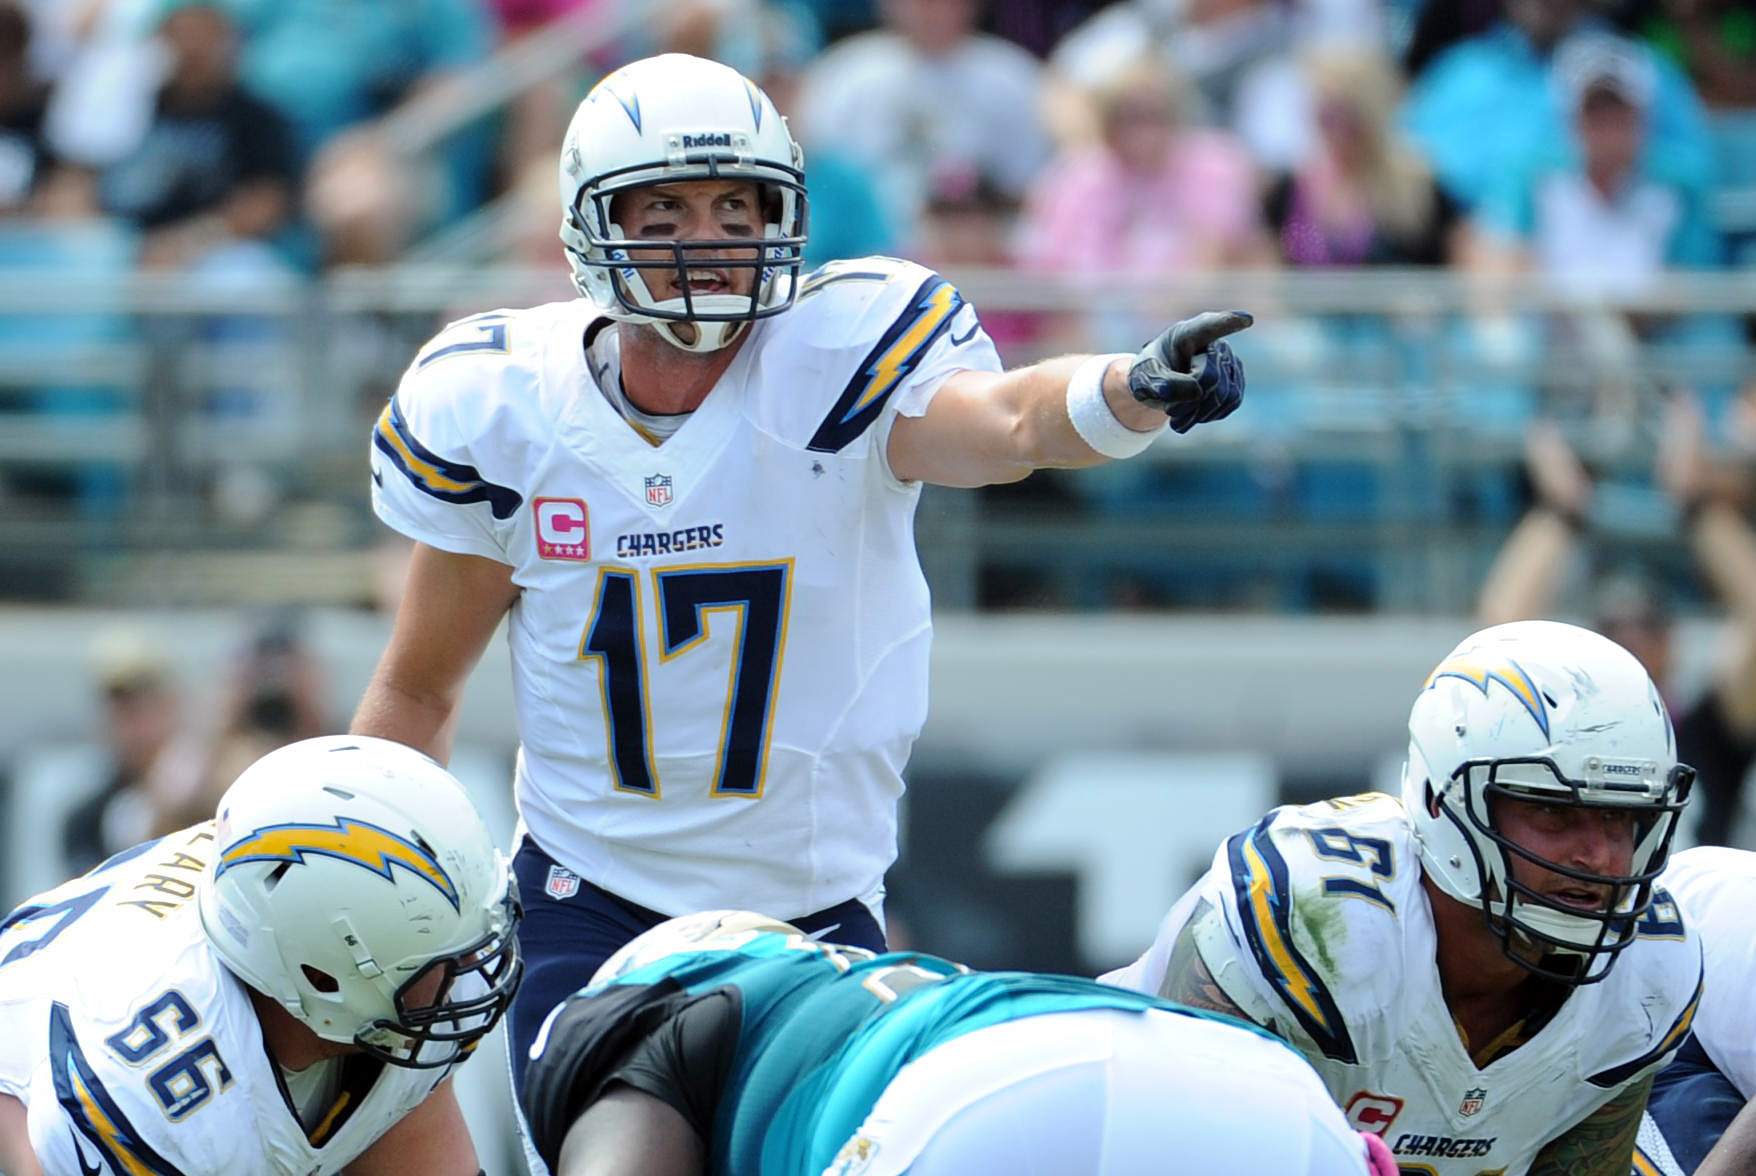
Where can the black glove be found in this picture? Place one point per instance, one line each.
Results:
(1189, 373)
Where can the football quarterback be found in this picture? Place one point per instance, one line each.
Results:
(692, 488)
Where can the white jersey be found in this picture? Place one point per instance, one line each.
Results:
(1103, 1090)
(138, 1053)
(1315, 924)
(720, 647)
(1716, 887)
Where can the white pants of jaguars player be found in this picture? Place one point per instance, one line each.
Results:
(1109, 1093)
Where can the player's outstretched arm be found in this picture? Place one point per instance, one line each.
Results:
(431, 1140)
(628, 1132)
(1602, 1143)
(450, 608)
(1073, 411)
(16, 1156)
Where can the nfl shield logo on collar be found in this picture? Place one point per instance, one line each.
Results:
(562, 883)
(658, 490)
(1472, 1101)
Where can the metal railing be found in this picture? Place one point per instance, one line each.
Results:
(1382, 429)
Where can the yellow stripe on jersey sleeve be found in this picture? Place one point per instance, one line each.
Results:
(1263, 891)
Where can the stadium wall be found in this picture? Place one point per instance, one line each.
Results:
(1075, 773)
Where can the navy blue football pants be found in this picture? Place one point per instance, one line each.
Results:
(1693, 1104)
(565, 940)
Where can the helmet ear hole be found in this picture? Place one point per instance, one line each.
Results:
(322, 981)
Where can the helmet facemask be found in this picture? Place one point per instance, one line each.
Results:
(605, 259)
(444, 1010)
(1558, 941)
(676, 119)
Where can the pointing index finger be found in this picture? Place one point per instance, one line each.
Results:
(1193, 336)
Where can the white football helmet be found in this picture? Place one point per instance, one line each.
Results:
(701, 931)
(667, 119)
(1539, 710)
(354, 883)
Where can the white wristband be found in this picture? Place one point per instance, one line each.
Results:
(1092, 418)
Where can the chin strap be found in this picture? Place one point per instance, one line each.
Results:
(709, 336)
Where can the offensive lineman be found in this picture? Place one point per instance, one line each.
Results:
(726, 1042)
(1482, 970)
(285, 989)
(693, 490)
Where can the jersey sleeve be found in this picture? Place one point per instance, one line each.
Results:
(439, 446)
(1302, 928)
(1659, 980)
(60, 1150)
(1716, 887)
(89, 1113)
(892, 331)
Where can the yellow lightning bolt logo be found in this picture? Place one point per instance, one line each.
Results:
(390, 437)
(1480, 669)
(114, 1139)
(939, 304)
(1298, 985)
(347, 840)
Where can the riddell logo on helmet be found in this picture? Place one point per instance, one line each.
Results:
(708, 139)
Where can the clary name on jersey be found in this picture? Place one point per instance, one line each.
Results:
(669, 542)
(173, 877)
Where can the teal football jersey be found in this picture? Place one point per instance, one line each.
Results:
(823, 1029)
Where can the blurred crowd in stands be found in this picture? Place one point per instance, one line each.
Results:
(1583, 139)
(1597, 145)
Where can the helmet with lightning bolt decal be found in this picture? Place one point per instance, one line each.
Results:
(354, 883)
(1563, 723)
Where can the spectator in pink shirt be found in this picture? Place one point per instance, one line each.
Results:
(1152, 196)
(1364, 196)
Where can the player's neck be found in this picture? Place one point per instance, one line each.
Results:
(290, 1043)
(660, 377)
(1485, 990)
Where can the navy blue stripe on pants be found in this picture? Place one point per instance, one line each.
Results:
(565, 940)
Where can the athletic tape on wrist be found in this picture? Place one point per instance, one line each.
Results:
(1092, 418)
